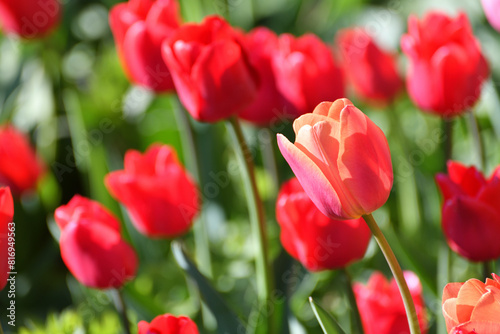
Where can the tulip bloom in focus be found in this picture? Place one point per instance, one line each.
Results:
(91, 245)
(6, 216)
(447, 67)
(472, 307)
(381, 307)
(161, 197)
(372, 71)
(20, 167)
(471, 214)
(139, 28)
(210, 69)
(341, 158)
(29, 18)
(306, 73)
(318, 242)
(269, 105)
(491, 10)
(168, 324)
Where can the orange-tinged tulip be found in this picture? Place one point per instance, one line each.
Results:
(473, 306)
(341, 158)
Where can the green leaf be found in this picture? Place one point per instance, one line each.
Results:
(328, 324)
(227, 320)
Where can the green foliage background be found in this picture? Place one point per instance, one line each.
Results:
(70, 93)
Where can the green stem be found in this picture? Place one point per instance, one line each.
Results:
(476, 140)
(487, 269)
(269, 157)
(189, 149)
(256, 211)
(1, 329)
(448, 140)
(356, 323)
(396, 272)
(121, 307)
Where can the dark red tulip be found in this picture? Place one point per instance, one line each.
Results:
(381, 306)
(210, 69)
(269, 105)
(372, 71)
(29, 18)
(471, 215)
(139, 28)
(168, 324)
(160, 196)
(6, 228)
(91, 245)
(306, 73)
(20, 167)
(318, 242)
(447, 67)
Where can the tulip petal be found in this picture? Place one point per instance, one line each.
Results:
(468, 296)
(473, 327)
(450, 313)
(364, 161)
(144, 61)
(471, 228)
(311, 177)
(487, 308)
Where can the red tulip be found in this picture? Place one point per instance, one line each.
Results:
(306, 73)
(29, 18)
(160, 196)
(341, 158)
(372, 71)
(91, 245)
(20, 169)
(471, 215)
(472, 307)
(447, 67)
(168, 324)
(6, 215)
(139, 28)
(269, 106)
(381, 306)
(491, 10)
(318, 242)
(210, 69)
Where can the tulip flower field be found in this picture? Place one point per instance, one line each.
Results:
(249, 167)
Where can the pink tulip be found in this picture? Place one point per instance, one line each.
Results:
(341, 158)
(491, 10)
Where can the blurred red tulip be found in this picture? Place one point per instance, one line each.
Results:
(491, 10)
(269, 106)
(29, 18)
(372, 71)
(139, 28)
(6, 216)
(341, 158)
(161, 198)
(210, 69)
(168, 324)
(447, 67)
(471, 215)
(91, 245)
(20, 168)
(318, 242)
(306, 73)
(381, 306)
(472, 307)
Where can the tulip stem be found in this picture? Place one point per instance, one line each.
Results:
(356, 324)
(476, 140)
(396, 272)
(190, 152)
(121, 307)
(448, 140)
(256, 211)
(487, 269)
(269, 157)
(1, 329)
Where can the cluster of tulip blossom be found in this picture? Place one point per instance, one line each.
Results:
(340, 157)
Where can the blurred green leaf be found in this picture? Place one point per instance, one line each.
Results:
(328, 324)
(227, 320)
